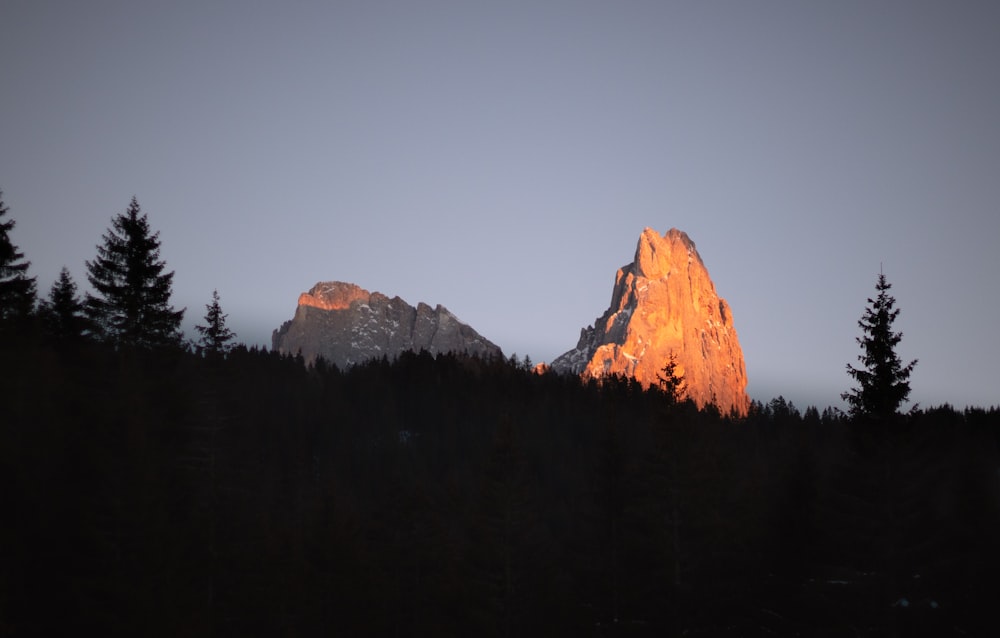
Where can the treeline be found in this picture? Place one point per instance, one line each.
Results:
(166, 493)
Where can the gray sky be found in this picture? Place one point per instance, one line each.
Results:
(502, 158)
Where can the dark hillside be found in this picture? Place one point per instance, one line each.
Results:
(165, 494)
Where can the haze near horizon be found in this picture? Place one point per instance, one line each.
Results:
(502, 160)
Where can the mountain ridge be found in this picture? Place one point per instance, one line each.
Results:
(346, 325)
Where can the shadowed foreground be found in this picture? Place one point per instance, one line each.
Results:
(168, 494)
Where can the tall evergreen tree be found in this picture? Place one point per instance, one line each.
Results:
(132, 303)
(62, 313)
(883, 381)
(17, 290)
(215, 336)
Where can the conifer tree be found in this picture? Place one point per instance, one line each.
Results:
(131, 306)
(883, 381)
(17, 290)
(215, 336)
(62, 313)
(673, 385)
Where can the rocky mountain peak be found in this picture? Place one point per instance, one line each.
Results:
(334, 295)
(346, 324)
(656, 255)
(664, 304)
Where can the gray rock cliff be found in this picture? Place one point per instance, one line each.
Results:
(345, 324)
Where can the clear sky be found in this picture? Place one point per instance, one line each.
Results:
(502, 158)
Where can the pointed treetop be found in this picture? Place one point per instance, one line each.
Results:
(215, 336)
(883, 380)
(62, 313)
(131, 303)
(17, 290)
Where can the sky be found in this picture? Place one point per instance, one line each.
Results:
(502, 159)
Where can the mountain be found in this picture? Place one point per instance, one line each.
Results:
(346, 324)
(664, 303)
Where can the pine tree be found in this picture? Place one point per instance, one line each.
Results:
(62, 313)
(215, 336)
(883, 380)
(17, 290)
(132, 305)
(672, 384)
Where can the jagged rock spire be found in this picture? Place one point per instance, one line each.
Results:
(664, 303)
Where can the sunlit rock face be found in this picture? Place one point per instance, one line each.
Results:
(346, 324)
(665, 303)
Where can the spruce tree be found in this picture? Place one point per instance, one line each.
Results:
(215, 336)
(62, 313)
(131, 307)
(672, 384)
(17, 290)
(883, 381)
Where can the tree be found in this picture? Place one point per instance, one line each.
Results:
(883, 380)
(62, 313)
(672, 384)
(17, 290)
(215, 336)
(131, 307)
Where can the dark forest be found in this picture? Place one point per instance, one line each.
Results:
(157, 487)
(166, 493)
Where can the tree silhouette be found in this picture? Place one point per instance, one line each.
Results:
(215, 336)
(62, 313)
(17, 290)
(132, 305)
(672, 384)
(883, 380)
